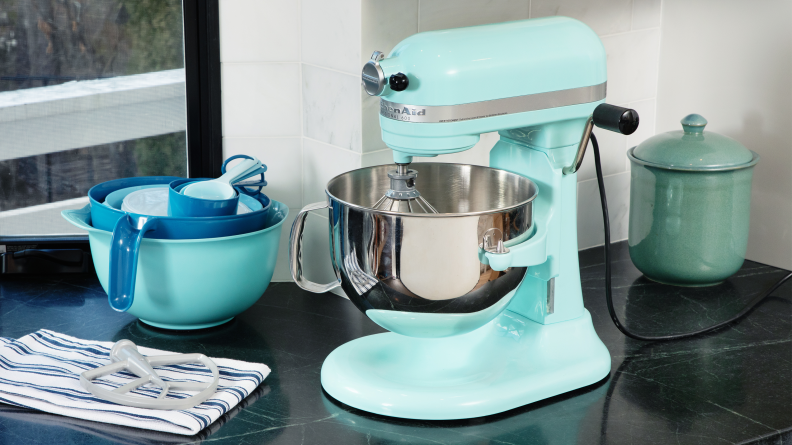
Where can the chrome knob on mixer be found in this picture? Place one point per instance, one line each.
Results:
(373, 78)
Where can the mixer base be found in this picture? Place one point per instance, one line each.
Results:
(510, 362)
(185, 327)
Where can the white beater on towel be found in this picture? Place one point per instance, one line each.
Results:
(125, 356)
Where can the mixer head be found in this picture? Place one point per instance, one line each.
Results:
(402, 195)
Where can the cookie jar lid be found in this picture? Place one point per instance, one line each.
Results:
(692, 148)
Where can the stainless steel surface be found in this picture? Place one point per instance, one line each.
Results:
(423, 262)
(489, 108)
(581, 151)
(295, 252)
(550, 295)
(453, 189)
(373, 78)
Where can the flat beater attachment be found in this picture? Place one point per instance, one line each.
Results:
(125, 357)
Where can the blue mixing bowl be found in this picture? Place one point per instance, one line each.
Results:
(192, 283)
(105, 218)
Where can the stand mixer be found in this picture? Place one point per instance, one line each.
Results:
(474, 270)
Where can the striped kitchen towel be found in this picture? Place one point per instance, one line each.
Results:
(42, 371)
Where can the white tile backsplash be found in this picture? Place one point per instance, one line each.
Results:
(633, 60)
(330, 35)
(646, 14)
(261, 99)
(371, 133)
(377, 158)
(331, 107)
(603, 16)
(612, 154)
(646, 128)
(590, 229)
(283, 158)
(385, 24)
(260, 31)
(738, 79)
(443, 14)
(321, 163)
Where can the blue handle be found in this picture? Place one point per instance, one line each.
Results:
(124, 248)
(243, 187)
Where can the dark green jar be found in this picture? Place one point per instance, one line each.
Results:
(690, 205)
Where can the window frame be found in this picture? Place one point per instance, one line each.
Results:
(201, 20)
(203, 85)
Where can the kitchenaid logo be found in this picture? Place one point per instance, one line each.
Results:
(402, 110)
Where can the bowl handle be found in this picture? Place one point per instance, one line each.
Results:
(295, 252)
(124, 248)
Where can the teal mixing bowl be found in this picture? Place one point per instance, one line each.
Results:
(193, 283)
(690, 205)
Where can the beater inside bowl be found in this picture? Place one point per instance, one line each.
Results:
(402, 196)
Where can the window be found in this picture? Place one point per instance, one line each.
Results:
(96, 90)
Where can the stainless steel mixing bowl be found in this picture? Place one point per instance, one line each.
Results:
(421, 262)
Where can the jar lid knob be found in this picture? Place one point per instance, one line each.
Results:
(693, 123)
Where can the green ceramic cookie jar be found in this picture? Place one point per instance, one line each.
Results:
(690, 203)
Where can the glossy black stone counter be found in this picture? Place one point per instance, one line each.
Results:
(733, 386)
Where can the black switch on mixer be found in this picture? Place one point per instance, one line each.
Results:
(399, 82)
(617, 119)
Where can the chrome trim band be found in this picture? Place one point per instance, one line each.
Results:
(490, 108)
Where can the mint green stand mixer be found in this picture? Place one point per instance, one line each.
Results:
(521, 333)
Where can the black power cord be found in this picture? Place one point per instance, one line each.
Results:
(608, 292)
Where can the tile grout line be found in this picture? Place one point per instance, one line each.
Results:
(298, 62)
(604, 177)
(376, 151)
(302, 114)
(659, 51)
(330, 69)
(359, 96)
(334, 146)
(615, 34)
(419, 16)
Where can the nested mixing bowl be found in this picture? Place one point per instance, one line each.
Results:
(193, 283)
(420, 274)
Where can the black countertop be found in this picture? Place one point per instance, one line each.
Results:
(732, 386)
